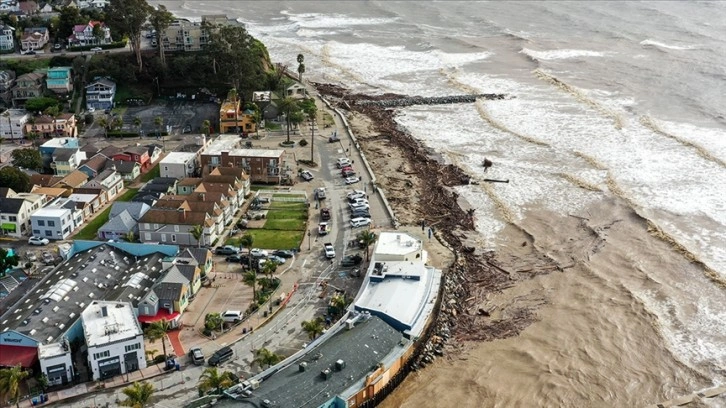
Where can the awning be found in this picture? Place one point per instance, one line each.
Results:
(8, 226)
(10, 356)
(162, 315)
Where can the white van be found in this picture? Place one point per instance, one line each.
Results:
(232, 316)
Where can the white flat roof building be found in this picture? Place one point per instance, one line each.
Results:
(398, 246)
(56, 362)
(178, 157)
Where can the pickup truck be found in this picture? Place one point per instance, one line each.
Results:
(325, 214)
(323, 228)
(329, 250)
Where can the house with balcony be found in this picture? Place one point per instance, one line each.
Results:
(174, 226)
(100, 93)
(28, 86)
(12, 123)
(59, 80)
(211, 208)
(187, 185)
(296, 91)
(237, 173)
(232, 119)
(89, 203)
(48, 148)
(138, 154)
(92, 33)
(108, 185)
(57, 220)
(7, 37)
(237, 185)
(66, 161)
(260, 165)
(34, 38)
(15, 211)
(184, 35)
(64, 125)
(7, 82)
(227, 191)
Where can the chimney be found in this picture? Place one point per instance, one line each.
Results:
(104, 311)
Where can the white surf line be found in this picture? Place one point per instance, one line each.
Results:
(703, 152)
(580, 96)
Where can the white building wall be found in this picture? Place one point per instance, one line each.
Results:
(55, 231)
(11, 126)
(112, 356)
(48, 366)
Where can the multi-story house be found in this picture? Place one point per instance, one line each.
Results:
(236, 172)
(9, 6)
(28, 7)
(220, 199)
(155, 152)
(34, 38)
(184, 35)
(7, 82)
(48, 148)
(261, 165)
(187, 185)
(174, 226)
(57, 220)
(93, 166)
(12, 123)
(108, 185)
(138, 154)
(167, 299)
(209, 207)
(28, 86)
(233, 119)
(296, 91)
(7, 37)
(178, 165)
(114, 339)
(93, 33)
(15, 211)
(237, 185)
(224, 188)
(100, 94)
(99, 4)
(66, 161)
(128, 170)
(124, 217)
(64, 125)
(59, 79)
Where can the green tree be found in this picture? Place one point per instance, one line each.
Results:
(269, 267)
(137, 395)
(300, 66)
(40, 104)
(236, 57)
(117, 123)
(130, 236)
(366, 238)
(288, 106)
(206, 127)
(213, 321)
(159, 122)
(10, 379)
(212, 379)
(250, 279)
(7, 262)
(27, 158)
(161, 19)
(197, 232)
(296, 118)
(127, 17)
(246, 242)
(157, 331)
(53, 112)
(339, 302)
(103, 122)
(14, 178)
(98, 34)
(69, 17)
(265, 357)
(137, 125)
(313, 327)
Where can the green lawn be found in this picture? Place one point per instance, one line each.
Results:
(128, 195)
(151, 174)
(290, 216)
(271, 239)
(90, 231)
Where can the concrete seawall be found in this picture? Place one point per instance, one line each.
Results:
(433, 100)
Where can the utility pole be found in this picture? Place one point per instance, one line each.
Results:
(312, 139)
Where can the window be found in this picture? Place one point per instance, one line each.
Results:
(36, 232)
(176, 228)
(163, 237)
(156, 226)
(102, 354)
(48, 233)
(51, 223)
(147, 236)
(41, 223)
(147, 226)
(13, 218)
(132, 347)
(173, 238)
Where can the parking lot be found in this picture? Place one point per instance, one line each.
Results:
(177, 115)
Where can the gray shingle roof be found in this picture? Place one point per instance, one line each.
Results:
(120, 223)
(11, 205)
(135, 210)
(63, 154)
(168, 290)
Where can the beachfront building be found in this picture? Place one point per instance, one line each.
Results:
(12, 123)
(114, 339)
(174, 226)
(260, 165)
(100, 93)
(63, 125)
(232, 118)
(59, 80)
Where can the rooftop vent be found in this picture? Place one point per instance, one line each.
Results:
(326, 374)
(72, 315)
(340, 365)
(302, 367)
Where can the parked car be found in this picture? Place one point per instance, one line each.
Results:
(352, 180)
(57, 47)
(329, 250)
(334, 138)
(360, 214)
(349, 173)
(196, 355)
(325, 214)
(360, 206)
(234, 258)
(220, 356)
(359, 200)
(342, 162)
(351, 260)
(97, 49)
(38, 241)
(232, 316)
(277, 259)
(360, 222)
(258, 253)
(283, 253)
(306, 175)
(31, 257)
(48, 258)
(356, 194)
(226, 250)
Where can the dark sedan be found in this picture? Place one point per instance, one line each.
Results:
(283, 253)
(351, 260)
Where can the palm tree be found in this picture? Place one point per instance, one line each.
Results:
(156, 331)
(117, 123)
(339, 302)
(130, 236)
(250, 279)
(213, 321)
(159, 122)
(137, 125)
(288, 106)
(10, 379)
(137, 395)
(206, 127)
(103, 122)
(300, 66)
(366, 238)
(269, 267)
(197, 232)
(150, 354)
(313, 327)
(246, 241)
(265, 357)
(211, 379)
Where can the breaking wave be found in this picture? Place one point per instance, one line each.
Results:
(580, 96)
(484, 114)
(559, 54)
(658, 44)
(703, 152)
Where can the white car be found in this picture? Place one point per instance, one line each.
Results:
(38, 241)
(352, 180)
(96, 49)
(360, 222)
(342, 162)
(91, 109)
(258, 253)
(356, 194)
(356, 201)
(306, 175)
(359, 206)
(329, 250)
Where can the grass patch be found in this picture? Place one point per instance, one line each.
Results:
(271, 239)
(272, 126)
(128, 195)
(151, 174)
(90, 231)
(125, 92)
(290, 216)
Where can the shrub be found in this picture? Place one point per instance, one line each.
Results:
(303, 143)
(159, 359)
(117, 44)
(89, 119)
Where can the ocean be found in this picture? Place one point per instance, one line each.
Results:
(613, 137)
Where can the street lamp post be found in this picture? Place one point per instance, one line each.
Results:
(312, 139)
(309, 240)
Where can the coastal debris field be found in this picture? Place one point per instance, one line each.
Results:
(418, 184)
